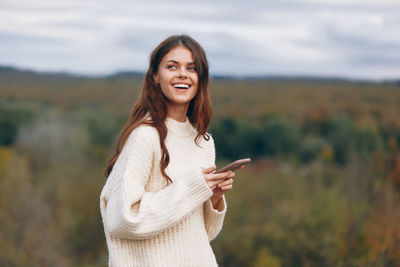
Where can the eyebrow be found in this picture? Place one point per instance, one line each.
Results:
(176, 62)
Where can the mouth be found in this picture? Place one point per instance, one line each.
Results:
(183, 86)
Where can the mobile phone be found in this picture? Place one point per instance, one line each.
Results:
(234, 165)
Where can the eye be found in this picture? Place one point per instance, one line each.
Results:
(171, 67)
(193, 68)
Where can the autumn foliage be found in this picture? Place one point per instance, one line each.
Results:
(323, 188)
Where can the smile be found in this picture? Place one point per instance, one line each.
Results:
(181, 86)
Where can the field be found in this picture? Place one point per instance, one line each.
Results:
(323, 189)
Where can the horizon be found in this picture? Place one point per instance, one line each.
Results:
(212, 76)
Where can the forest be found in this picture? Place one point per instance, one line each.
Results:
(323, 188)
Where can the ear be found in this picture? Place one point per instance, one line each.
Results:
(155, 77)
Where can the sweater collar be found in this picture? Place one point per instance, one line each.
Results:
(180, 128)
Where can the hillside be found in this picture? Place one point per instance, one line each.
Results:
(323, 188)
(252, 98)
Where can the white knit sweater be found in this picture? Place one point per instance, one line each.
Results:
(148, 223)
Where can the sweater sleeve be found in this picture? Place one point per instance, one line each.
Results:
(214, 218)
(131, 212)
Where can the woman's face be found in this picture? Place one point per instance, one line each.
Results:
(177, 77)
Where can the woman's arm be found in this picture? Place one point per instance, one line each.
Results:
(214, 214)
(130, 212)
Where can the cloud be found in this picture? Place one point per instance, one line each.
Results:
(352, 38)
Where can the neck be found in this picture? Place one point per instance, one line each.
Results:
(178, 112)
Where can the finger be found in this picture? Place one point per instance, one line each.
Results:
(227, 188)
(226, 182)
(229, 174)
(212, 186)
(219, 176)
(209, 170)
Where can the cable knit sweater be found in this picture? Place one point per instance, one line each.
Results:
(150, 223)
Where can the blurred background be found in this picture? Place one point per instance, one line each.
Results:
(309, 89)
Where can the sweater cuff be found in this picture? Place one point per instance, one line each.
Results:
(197, 186)
(221, 208)
(214, 218)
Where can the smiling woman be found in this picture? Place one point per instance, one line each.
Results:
(162, 203)
(177, 78)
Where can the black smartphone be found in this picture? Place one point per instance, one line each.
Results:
(234, 165)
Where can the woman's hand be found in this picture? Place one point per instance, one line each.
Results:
(213, 179)
(219, 183)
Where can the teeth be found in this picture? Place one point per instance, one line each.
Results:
(181, 85)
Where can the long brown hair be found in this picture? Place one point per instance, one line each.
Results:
(153, 102)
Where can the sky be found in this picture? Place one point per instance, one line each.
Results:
(353, 39)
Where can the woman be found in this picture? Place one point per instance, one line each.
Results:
(162, 204)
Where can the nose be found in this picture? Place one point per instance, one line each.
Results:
(182, 72)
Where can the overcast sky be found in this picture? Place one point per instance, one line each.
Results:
(339, 38)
